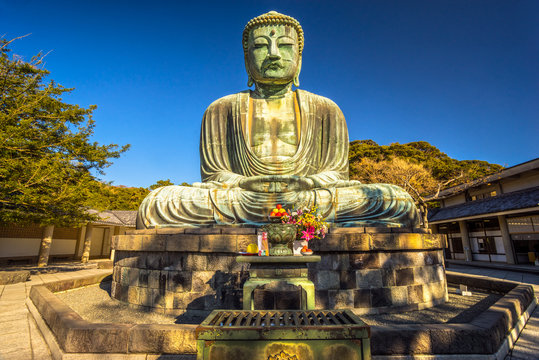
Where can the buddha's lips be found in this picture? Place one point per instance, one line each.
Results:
(273, 66)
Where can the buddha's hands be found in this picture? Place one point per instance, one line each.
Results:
(276, 183)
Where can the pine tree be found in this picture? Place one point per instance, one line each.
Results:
(47, 157)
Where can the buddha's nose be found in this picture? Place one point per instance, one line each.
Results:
(274, 53)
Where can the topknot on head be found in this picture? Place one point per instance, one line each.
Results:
(272, 18)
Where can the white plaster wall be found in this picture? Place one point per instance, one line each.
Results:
(11, 247)
(63, 246)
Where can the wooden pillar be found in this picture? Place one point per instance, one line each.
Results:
(465, 241)
(87, 243)
(506, 238)
(45, 246)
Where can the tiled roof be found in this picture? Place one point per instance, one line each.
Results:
(522, 199)
(115, 217)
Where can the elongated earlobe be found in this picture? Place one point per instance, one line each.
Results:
(296, 81)
(250, 82)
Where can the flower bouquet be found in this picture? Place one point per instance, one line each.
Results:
(309, 225)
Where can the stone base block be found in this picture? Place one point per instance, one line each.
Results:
(373, 270)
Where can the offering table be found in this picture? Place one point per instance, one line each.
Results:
(288, 269)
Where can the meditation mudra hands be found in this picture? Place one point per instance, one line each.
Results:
(276, 183)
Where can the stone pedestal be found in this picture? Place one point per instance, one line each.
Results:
(265, 270)
(372, 270)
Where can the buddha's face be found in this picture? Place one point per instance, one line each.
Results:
(273, 54)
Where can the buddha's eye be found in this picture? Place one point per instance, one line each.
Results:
(261, 45)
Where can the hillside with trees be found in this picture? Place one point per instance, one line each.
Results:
(418, 167)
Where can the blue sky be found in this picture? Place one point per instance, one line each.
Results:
(462, 75)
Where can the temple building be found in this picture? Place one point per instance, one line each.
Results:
(492, 219)
(20, 244)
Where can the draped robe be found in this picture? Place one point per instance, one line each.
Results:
(322, 155)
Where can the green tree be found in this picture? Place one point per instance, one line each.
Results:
(442, 167)
(47, 158)
(161, 183)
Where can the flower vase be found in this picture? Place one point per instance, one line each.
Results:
(280, 236)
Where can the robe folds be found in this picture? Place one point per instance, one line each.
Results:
(322, 156)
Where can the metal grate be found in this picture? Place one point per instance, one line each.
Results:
(281, 318)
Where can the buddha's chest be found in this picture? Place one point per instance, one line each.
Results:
(274, 128)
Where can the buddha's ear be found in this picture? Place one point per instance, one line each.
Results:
(250, 80)
(296, 77)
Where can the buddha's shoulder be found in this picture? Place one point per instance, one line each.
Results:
(317, 99)
(227, 101)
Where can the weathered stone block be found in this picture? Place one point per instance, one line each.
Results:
(400, 339)
(359, 242)
(348, 280)
(368, 279)
(190, 301)
(239, 231)
(242, 241)
(143, 277)
(218, 243)
(334, 262)
(124, 276)
(156, 260)
(404, 277)
(128, 242)
(163, 339)
(158, 298)
(220, 262)
(388, 277)
(346, 230)
(427, 274)
(196, 262)
(184, 243)
(153, 279)
(332, 242)
(410, 240)
(321, 299)
(381, 297)
(203, 231)
(327, 279)
(153, 242)
(362, 298)
(179, 281)
(133, 295)
(146, 296)
(399, 295)
(377, 230)
(170, 231)
(202, 281)
(415, 294)
(432, 257)
(385, 242)
(364, 260)
(341, 299)
(98, 338)
(433, 241)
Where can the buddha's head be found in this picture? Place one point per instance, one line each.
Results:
(272, 45)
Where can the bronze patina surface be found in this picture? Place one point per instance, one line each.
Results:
(273, 145)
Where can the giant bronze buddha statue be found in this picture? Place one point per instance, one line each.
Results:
(273, 145)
